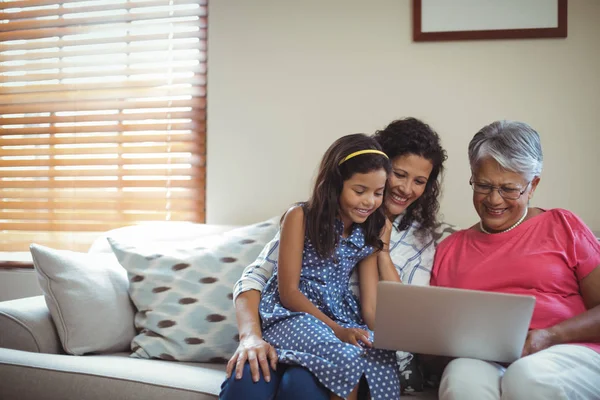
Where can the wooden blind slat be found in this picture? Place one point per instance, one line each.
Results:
(52, 32)
(82, 183)
(54, 173)
(100, 160)
(85, 204)
(30, 12)
(60, 216)
(96, 226)
(95, 193)
(108, 117)
(98, 21)
(101, 94)
(119, 37)
(146, 148)
(99, 63)
(122, 86)
(38, 3)
(197, 103)
(109, 73)
(163, 127)
(78, 138)
(119, 49)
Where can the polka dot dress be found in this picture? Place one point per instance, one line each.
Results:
(303, 339)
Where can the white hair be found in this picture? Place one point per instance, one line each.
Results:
(514, 145)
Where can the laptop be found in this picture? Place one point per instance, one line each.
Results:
(452, 322)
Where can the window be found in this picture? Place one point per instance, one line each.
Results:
(102, 117)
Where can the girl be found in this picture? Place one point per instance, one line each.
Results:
(307, 310)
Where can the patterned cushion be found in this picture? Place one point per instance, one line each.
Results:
(183, 294)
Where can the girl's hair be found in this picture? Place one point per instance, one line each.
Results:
(321, 210)
(412, 136)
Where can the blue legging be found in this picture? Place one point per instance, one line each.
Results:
(289, 382)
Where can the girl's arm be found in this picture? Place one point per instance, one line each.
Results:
(291, 246)
(368, 276)
(290, 263)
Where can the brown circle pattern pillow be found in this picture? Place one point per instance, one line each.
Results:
(183, 295)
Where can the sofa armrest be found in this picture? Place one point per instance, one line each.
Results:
(26, 324)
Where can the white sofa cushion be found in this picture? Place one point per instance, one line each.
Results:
(183, 293)
(87, 298)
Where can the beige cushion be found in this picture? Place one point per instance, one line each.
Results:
(33, 376)
(87, 298)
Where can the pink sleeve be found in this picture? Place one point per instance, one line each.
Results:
(586, 247)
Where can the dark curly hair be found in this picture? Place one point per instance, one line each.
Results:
(412, 136)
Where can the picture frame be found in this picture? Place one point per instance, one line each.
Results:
(443, 20)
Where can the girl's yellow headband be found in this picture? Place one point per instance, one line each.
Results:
(357, 153)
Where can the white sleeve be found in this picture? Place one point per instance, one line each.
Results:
(256, 275)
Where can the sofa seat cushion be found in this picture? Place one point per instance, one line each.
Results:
(99, 377)
(33, 376)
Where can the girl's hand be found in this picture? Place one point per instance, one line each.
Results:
(354, 336)
(538, 340)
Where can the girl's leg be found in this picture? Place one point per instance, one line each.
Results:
(297, 383)
(245, 388)
(352, 396)
(469, 379)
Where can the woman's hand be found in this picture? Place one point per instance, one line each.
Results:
(353, 336)
(258, 353)
(538, 340)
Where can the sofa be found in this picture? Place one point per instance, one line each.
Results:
(78, 342)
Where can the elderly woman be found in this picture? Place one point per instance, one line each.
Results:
(411, 203)
(550, 254)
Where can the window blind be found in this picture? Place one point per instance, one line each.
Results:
(102, 117)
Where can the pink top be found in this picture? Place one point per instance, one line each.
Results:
(546, 256)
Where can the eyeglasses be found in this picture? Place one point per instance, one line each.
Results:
(507, 193)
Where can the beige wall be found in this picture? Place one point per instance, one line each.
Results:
(288, 77)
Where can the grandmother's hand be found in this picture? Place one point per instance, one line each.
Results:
(538, 340)
(258, 353)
